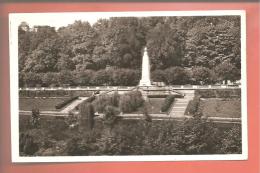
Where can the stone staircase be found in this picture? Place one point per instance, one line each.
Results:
(180, 104)
(72, 105)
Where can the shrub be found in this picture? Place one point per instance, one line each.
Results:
(65, 102)
(106, 100)
(193, 106)
(44, 93)
(218, 93)
(71, 120)
(167, 103)
(77, 147)
(131, 101)
(205, 93)
(35, 118)
(110, 116)
(231, 141)
(145, 112)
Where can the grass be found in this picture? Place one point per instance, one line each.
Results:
(221, 108)
(153, 105)
(43, 104)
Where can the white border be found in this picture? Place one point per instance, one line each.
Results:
(16, 18)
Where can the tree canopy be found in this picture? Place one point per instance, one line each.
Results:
(181, 49)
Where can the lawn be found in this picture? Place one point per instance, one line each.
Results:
(43, 104)
(221, 108)
(154, 106)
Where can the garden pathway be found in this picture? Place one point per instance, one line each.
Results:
(72, 105)
(180, 104)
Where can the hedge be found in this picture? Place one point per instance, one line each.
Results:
(193, 106)
(54, 93)
(157, 96)
(167, 103)
(65, 102)
(218, 93)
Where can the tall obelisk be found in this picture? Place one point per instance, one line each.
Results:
(145, 80)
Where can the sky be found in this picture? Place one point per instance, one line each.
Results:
(63, 19)
(58, 20)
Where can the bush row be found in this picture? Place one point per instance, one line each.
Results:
(158, 96)
(193, 106)
(65, 102)
(220, 93)
(115, 77)
(167, 103)
(53, 93)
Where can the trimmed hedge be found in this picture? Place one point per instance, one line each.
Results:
(167, 103)
(157, 96)
(218, 93)
(54, 93)
(65, 102)
(193, 106)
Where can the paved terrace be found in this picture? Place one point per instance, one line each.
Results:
(125, 88)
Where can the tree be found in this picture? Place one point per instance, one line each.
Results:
(50, 79)
(165, 43)
(102, 77)
(202, 75)
(212, 40)
(35, 118)
(84, 78)
(227, 71)
(87, 115)
(125, 77)
(198, 137)
(44, 58)
(32, 79)
(27, 144)
(111, 116)
(176, 76)
(231, 142)
(66, 77)
(158, 76)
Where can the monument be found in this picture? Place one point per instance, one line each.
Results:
(145, 80)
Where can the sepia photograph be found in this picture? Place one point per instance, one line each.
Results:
(128, 86)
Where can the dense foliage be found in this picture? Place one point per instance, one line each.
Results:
(126, 103)
(130, 137)
(182, 50)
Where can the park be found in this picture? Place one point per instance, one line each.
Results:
(180, 100)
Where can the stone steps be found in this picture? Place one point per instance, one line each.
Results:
(72, 105)
(180, 105)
